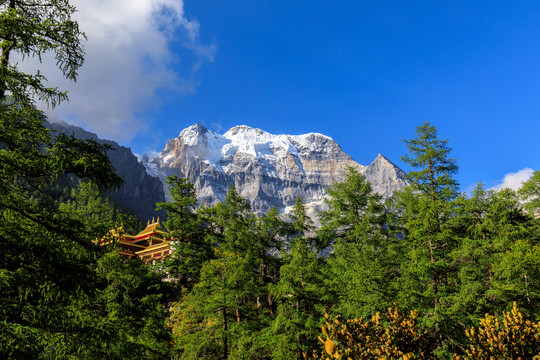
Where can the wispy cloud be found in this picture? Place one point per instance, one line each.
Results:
(216, 126)
(128, 59)
(514, 180)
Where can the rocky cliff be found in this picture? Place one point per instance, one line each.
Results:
(140, 191)
(269, 170)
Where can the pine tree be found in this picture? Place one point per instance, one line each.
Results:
(299, 292)
(190, 248)
(530, 193)
(222, 314)
(61, 296)
(365, 261)
(495, 238)
(33, 28)
(425, 209)
(88, 205)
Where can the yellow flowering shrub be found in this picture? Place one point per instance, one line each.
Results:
(513, 338)
(395, 338)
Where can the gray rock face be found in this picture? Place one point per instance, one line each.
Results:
(269, 170)
(140, 191)
(384, 176)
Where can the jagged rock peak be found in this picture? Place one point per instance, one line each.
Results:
(194, 135)
(269, 170)
(243, 129)
(382, 159)
(385, 176)
(195, 129)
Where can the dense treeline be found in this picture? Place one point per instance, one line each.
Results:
(61, 295)
(261, 288)
(240, 286)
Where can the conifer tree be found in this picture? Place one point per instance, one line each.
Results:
(33, 28)
(365, 262)
(88, 205)
(495, 238)
(299, 292)
(426, 207)
(61, 297)
(530, 193)
(190, 248)
(214, 319)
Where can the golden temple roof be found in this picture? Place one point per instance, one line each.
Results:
(150, 244)
(154, 227)
(150, 248)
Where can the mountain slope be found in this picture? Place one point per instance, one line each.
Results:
(269, 170)
(140, 191)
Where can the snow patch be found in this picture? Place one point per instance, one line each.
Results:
(151, 169)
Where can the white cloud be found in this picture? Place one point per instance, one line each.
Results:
(128, 58)
(514, 180)
(216, 126)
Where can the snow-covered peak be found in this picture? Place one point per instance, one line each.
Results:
(244, 130)
(256, 142)
(193, 135)
(212, 147)
(269, 170)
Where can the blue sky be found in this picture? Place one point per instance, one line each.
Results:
(365, 73)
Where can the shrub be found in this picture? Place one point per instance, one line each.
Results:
(514, 338)
(397, 337)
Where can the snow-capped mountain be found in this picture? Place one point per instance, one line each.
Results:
(269, 170)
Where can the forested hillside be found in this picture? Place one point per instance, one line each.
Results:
(241, 286)
(258, 287)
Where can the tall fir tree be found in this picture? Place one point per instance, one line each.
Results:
(299, 292)
(364, 265)
(60, 296)
(190, 248)
(223, 312)
(425, 209)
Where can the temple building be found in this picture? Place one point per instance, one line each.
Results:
(153, 243)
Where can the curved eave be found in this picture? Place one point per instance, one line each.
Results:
(153, 248)
(129, 243)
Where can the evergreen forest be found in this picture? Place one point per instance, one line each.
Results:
(430, 273)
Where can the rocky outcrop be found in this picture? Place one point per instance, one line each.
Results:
(384, 176)
(140, 191)
(269, 170)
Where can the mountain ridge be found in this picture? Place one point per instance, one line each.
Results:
(268, 170)
(140, 191)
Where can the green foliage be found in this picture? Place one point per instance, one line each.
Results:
(354, 211)
(62, 296)
(33, 28)
(299, 292)
(98, 214)
(429, 155)
(212, 315)
(425, 210)
(132, 304)
(365, 260)
(530, 193)
(190, 248)
(225, 306)
(496, 254)
(517, 274)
